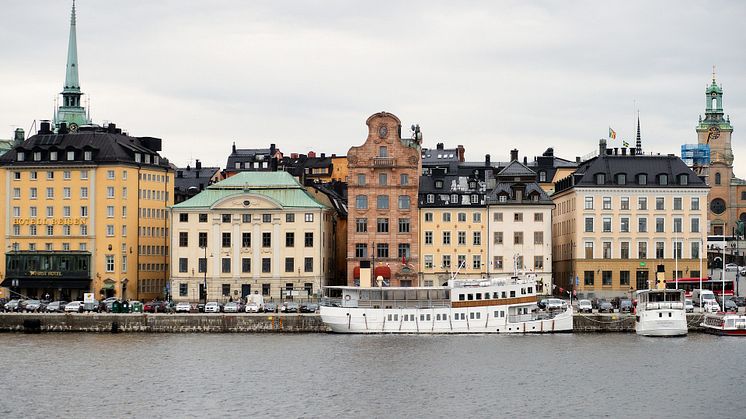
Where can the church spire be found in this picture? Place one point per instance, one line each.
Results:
(638, 145)
(71, 112)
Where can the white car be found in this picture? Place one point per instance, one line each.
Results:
(585, 306)
(183, 307)
(710, 306)
(252, 308)
(689, 305)
(731, 267)
(556, 304)
(212, 307)
(74, 307)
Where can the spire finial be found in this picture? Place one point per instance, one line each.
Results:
(72, 15)
(713, 74)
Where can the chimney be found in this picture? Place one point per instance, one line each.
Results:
(293, 155)
(234, 147)
(486, 159)
(198, 164)
(45, 127)
(601, 147)
(577, 159)
(632, 151)
(111, 128)
(514, 154)
(525, 160)
(616, 151)
(272, 149)
(323, 155)
(461, 151)
(334, 155)
(439, 146)
(63, 128)
(311, 154)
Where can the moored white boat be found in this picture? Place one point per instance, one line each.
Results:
(661, 313)
(726, 324)
(497, 305)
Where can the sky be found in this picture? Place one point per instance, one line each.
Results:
(305, 75)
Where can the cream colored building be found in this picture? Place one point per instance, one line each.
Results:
(253, 233)
(624, 222)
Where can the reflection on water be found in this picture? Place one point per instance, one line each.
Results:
(196, 375)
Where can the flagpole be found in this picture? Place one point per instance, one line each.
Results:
(701, 245)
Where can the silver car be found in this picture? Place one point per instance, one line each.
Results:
(55, 307)
(212, 307)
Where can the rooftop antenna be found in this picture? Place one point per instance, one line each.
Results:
(88, 99)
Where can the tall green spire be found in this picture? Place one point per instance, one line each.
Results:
(71, 111)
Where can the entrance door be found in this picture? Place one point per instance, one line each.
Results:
(245, 290)
(202, 295)
(642, 280)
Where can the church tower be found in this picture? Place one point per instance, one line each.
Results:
(71, 112)
(715, 131)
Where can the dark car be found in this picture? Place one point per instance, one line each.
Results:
(729, 305)
(92, 307)
(309, 308)
(55, 307)
(542, 304)
(605, 307)
(740, 301)
(270, 307)
(625, 305)
(156, 307)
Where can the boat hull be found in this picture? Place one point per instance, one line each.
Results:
(652, 327)
(423, 321)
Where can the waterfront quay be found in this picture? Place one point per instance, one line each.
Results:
(247, 323)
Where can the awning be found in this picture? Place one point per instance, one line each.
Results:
(47, 283)
(108, 285)
(383, 271)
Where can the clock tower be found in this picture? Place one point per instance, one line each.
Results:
(715, 131)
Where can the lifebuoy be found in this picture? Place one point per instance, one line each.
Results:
(347, 297)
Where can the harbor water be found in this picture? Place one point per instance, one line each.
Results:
(323, 375)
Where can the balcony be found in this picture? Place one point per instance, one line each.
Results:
(384, 162)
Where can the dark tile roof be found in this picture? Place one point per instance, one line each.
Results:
(516, 168)
(507, 189)
(189, 177)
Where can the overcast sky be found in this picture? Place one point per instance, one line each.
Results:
(306, 75)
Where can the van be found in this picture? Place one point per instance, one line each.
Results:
(703, 295)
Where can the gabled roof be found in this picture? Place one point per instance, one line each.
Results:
(516, 168)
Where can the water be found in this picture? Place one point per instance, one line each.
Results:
(245, 375)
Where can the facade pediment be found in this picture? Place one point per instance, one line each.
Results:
(247, 201)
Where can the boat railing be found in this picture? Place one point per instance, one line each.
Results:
(338, 302)
(539, 315)
(665, 305)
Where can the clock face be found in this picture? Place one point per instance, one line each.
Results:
(383, 131)
(717, 206)
(73, 127)
(714, 94)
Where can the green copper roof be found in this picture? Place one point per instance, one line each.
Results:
(72, 83)
(71, 111)
(280, 187)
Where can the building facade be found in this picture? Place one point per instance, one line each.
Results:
(519, 215)
(383, 225)
(624, 222)
(253, 233)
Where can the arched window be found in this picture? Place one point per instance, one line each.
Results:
(717, 178)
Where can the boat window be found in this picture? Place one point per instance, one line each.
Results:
(497, 314)
(479, 296)
(479, 315)
(530, 290)
(445, 317)
(670, 314)
(389, 317)
(422, 317)
(461, 297)
(428, 317)
(502, 313)
(660, 314)
(470, 297)
(471, 315)
(396, 317)
(495, 295)
(437, 317)
(512, 294)
(504, 295)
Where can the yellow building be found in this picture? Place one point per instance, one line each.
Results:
(86, 211)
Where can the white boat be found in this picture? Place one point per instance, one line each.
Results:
(497, 305)
(726, 324)
(660, 313)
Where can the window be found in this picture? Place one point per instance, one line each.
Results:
(600, 178)
(226, 218)
(382, 225)
(542, 176)
(246, 265)
(202, 239)
(266, 265)
(290, 218)
(607, 203)
(266, 218)
(683, 179)
(518, 217)
(642, 250)
(403, 251)
(361, 202)
(361, 180)
(642, 225)
(588, 202)
(110, 174)
(538, 263)
(589, 224)
(83, 230)
(642, 203)
(606, 278)
(289, 264)
(382, 202)
(17, 193)
(308, 217)
(203, 218)
(83, 173)
(87, 155)
(677, 247)
(225, 265)
(308, 264)
(245, 239)
(498, 216)
(446, 261)
(624, 278)
(695, 250)
(183, 239)
(695, 203)
(428, 216)
(588, 278)
(498, 237)
(476, 262)
(659, 225)
(477, 217)
(110, 211)
(226, 239)
(447, 217)
(183, 265)
(109, 263)
(428, 237)
(382, 250)
(110, 192)
(624, 203)
(50, 193)
(663, 179)
(50, 212)
(660, 203)
(245, 218)
(404, 225)
(518, 237)
(428, 261)
(361, 225)
(109, 230)
(183, 218)
(538, 237)
(624, 250)
(695, 225)
(538, 217)
(660, 248)
(477, 238)
(621, 179)
(497, 262)
(642, 179)
(361, 250)
(66, 194)
(461, 238)
(404, 179)
(606, 249)
(446, 237)
(439, 184)
(266, 239)
(624, 225)
(461, 217)
(589, 250)
(677, 203)
(403, 202)
(308, 240)
(383, 151)
(383, 179)
(606, 224)
(677, 225)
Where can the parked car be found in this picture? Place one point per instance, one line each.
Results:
(13, 305)
(309, 308)
(183, 307)
(728, 305)
(556, 304)
(585, 306)
(92, 307)
(731, 267)
(710, 306)
(232, 307)
(291, 307)
(32, 306)
(740, 301)
(625, 305)
(74, 307)
(270, 307)
(605, 307)
(689, 305)
(212, 307)
(156, 307)
(55, 307)
(253, 308)
(542, 303)
(699, 295)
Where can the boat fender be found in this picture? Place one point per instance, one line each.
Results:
(347, 297)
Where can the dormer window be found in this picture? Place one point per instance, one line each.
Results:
(475, 199)
(88, 155)
(535, 197)
(542, 176)
(642, 179)
(683, 179)
(430, 198)
(600, 178)
(147, 159)
(454, 198)
(438, 184)
(21, 156)
(503, 198)
(621, 179)
(138, 158)
(37, 155)
(156, 160)
(663, 179)
(53, 155)
(70, 155)
(472, 185)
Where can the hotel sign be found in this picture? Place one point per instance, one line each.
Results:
(50, 221)
(44, 273)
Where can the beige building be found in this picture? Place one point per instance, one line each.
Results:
(623, 221)
(253, 233)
